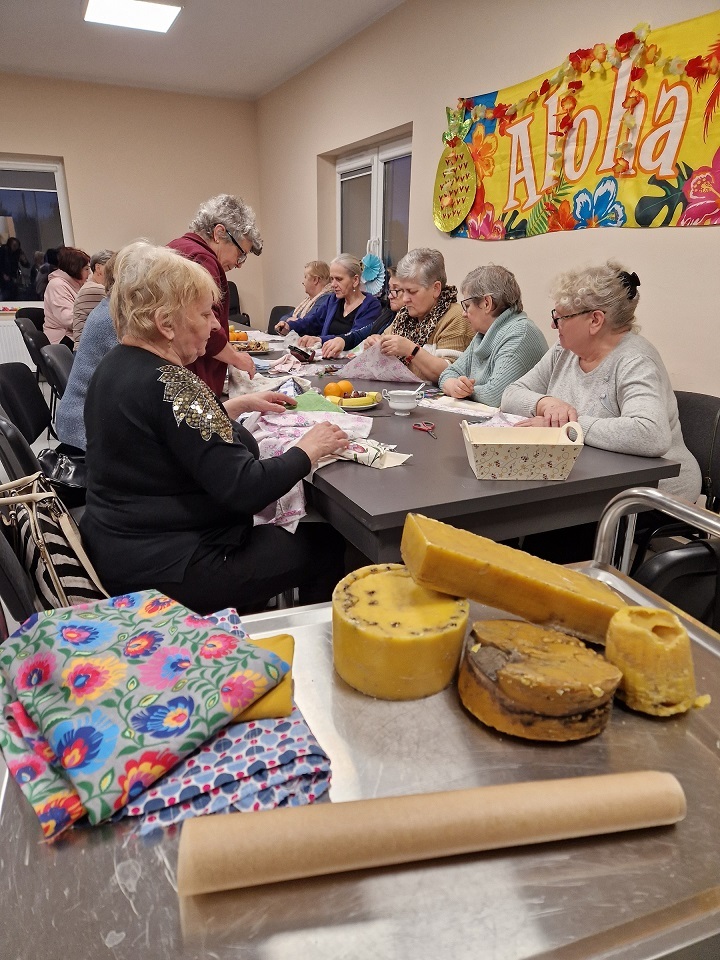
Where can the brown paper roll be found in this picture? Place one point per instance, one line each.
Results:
(245, 850)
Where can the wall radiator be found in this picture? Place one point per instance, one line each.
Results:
(12, 346)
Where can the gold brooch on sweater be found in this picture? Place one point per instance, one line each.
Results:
(194, 402)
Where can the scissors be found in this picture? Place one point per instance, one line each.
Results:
(427, 426)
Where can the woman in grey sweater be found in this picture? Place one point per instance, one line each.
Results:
(605, 376)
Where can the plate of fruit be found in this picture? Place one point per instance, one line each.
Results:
(346, 396)
(250, 346)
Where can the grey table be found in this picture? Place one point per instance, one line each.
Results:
(369, 506)
(108, 892)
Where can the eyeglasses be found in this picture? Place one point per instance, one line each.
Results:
(242, 256)
(465, 304)
(395, 292)
(557, 319)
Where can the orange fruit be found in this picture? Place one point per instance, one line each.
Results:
(332, 390)
(240, 335)
(344, 386)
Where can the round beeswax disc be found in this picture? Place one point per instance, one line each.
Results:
(455, 186)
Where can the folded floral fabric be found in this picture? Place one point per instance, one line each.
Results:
(136, 679)
(372, 364)
(257, 765)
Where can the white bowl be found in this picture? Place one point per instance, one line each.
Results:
(401, 401)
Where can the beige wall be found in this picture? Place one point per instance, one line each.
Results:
(137, 162)
(405, 69)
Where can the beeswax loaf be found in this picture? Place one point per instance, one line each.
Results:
(393, 639)
(461, 563)
(652, 650)
(535, 683)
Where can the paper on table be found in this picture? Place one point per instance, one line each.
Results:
(451, 405)
(229, 852)
(372, 364)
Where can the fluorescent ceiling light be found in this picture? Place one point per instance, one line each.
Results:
(137, 14)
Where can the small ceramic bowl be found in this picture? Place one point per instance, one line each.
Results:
(401, 401)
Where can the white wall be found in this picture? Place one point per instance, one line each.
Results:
(406, 69)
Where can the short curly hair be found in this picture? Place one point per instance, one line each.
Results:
(150, 279)
(494, 281)
(234, 214)
(424, 266)
(599, 288)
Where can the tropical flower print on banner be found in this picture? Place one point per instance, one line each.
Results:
(624, 133)
(97, 701)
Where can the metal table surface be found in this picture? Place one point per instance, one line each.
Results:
(369, 506)
(634, 896)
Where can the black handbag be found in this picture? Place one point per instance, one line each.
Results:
(64, 467)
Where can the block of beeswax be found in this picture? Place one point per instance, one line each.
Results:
(277, 702)
(461, 563)
(393, 639)
(535, 683)
(652, 650)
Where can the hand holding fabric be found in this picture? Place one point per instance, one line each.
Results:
(396, 346)
(459, 387)
(267, 401)
(322, 440)
(333, 348)
(557, 410)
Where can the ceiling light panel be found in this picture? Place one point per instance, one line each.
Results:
(136, 14)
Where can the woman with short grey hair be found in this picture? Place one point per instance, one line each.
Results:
(430, 320)
(604, 375)
(222, 234)
(506, 343)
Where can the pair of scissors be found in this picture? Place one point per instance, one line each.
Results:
(427, 426)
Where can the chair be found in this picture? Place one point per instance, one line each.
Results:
(35, 340)
(687, 576)
(16, 454)
(16, 590)
(277, 313)
(700, 421)
(58, 361)
(22, 400)
(35, 314)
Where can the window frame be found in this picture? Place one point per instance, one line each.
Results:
(58, 169)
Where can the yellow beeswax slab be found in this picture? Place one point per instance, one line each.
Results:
(278, 701)
(393, 639)
(441, 557)
(652, 650)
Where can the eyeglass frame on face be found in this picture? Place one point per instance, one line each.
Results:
(557, 320)
(467, 300)
(242, 257)
(397, 292)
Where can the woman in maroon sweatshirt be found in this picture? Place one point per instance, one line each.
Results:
(220, 238)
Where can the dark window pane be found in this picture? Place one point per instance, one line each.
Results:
(396, 208)
(355, 196)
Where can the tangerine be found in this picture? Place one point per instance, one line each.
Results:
(241, 335)
(345, 387)
(332, 390)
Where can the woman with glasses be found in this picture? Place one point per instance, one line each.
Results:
(604, 375)
(506, 343)
(220, 238)
(430, 320)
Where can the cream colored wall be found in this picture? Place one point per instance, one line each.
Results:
(406, 69)
(137, 162)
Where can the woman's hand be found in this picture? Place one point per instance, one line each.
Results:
(396, 346)
(459, 387)
(557, 410)
(282, 327)
(372, 340)
(242, 361)
(322, 440)
(308, 341)
(266, 401)
(333, 348)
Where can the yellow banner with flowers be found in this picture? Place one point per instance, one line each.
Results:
(623, 134)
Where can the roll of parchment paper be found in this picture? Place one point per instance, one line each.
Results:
(249, 849)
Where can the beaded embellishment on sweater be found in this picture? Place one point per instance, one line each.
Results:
(194, 402)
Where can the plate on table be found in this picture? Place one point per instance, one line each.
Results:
(355, 407)
(251, 346)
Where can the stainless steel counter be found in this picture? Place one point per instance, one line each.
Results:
(108, 892)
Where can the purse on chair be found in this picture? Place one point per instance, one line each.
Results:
(64, 467)
(47, 542)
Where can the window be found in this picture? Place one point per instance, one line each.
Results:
(34, 209)
(374, 202)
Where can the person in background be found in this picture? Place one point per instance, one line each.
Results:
(506, 342)
(48, 267)
(220, 238)
(38, 260)
(62, 288)
(11, 259)
(342, 321)
(430, 320)
(172, 487)
(604, 375)
(91, 293)
(316, 284)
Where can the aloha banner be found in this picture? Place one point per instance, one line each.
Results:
(625, 134)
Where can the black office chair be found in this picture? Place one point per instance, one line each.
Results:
(23, 401)
(687, 576)
(58, 361)
(16, 454)
(700, 421)
(35, 314)
(35, 340)
(277, 313)
(16, 590)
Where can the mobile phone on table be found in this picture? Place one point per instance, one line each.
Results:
(304, 356)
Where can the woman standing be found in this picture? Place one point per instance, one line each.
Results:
(62, 289)
(345, 319)
(220, 238)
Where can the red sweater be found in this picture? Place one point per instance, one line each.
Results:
(210, 370)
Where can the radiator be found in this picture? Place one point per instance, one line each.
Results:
(12, 345)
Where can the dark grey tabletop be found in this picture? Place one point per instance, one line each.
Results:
(369, 506)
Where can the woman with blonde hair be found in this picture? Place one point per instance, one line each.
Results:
(345, 319)
(173, 484)
(316, 284)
